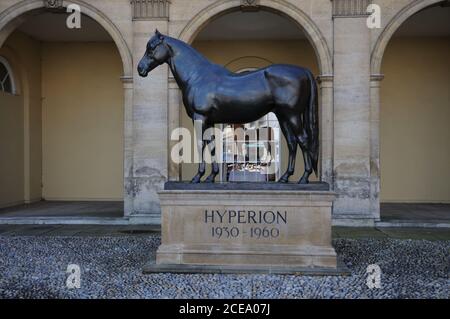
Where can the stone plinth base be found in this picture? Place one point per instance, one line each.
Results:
(282, 231)
(152, 267)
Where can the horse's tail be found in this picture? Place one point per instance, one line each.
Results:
(311, 122)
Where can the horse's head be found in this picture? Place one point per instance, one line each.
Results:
(157, 53)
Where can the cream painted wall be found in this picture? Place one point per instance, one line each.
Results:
(237, 55)
(20, 124)
(82, 115)
(415, 114)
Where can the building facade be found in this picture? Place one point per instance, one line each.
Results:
(78, 123)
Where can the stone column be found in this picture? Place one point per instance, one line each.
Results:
(175, 105)
(375, 81)
(326, 127)
(148, 169)
(352, 149)
(128, 142)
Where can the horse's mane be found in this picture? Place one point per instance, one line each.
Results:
(186, 49)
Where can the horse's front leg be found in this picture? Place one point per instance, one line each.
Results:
(200, 127)
(214, 166)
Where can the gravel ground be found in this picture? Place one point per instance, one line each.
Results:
(35, 267)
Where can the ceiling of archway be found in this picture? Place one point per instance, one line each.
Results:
(251, 25)
(240, 25)
(52, 27)
(433, 21)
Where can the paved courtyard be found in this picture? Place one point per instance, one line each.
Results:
(34, 260)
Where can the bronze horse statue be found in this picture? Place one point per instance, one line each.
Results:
(214, 95)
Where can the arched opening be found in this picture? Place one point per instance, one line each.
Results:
(244, 40)
(11, 131)
(414, 114)
(71, 120)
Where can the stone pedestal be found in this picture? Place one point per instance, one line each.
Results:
(224, 228)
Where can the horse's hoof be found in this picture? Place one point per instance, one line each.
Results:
(283, 180)
(210, 179)
(195, 180)
(303, 181)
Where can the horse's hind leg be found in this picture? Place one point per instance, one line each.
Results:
(292, 147)
(303, 142)
(301, 138)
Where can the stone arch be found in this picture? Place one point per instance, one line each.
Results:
(312, 32)
(376, 77)
(22, 89)
(17, 13)
(323, 56)
(12, 17)
(391, 27)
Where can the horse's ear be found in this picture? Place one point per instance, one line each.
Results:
(157, 33)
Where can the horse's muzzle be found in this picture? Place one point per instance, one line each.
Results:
(143, 68)
(142, 72)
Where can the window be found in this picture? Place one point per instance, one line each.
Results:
(6, 77)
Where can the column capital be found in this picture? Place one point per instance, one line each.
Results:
(127, 81)
(376, 77)
(325, 78)
(375, 80)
